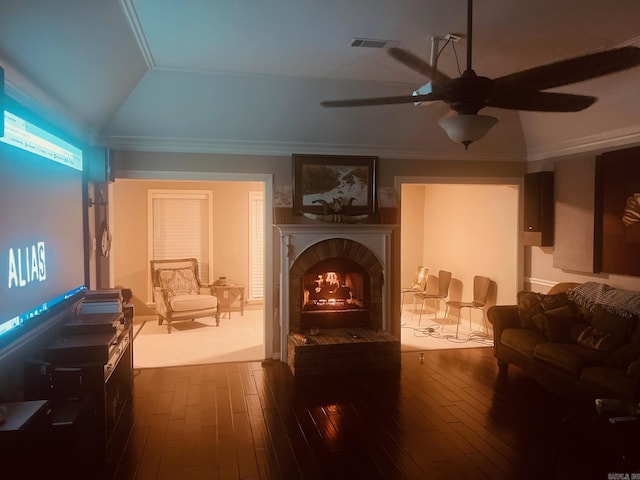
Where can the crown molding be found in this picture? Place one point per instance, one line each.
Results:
(136, 27)
(591, 143)
(275, 148)
(23, 91)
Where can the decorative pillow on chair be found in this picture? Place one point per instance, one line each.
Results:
(178, 281)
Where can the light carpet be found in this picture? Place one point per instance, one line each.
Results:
(241, 338)
(440, 334)
(197, 342)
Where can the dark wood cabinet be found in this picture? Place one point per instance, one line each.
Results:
(539, 209)
(87, 374)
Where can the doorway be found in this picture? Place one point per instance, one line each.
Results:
(233, 245)
(467, 229)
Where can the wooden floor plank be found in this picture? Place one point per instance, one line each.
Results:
(245, 449)
(208, 453)
(449, 415)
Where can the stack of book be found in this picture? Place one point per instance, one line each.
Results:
(102, 301)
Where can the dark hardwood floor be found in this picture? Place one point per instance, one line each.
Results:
(448, 416)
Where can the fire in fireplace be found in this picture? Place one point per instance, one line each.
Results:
(333, 285)
(335, 294)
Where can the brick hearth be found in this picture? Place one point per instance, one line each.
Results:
(335, 351)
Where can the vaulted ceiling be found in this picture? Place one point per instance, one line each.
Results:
(248, 76)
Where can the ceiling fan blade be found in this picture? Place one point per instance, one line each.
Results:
(364, 102)
(541, 101)
(572, 70)
(417, 64)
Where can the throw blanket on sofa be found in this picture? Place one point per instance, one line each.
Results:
(621, 302)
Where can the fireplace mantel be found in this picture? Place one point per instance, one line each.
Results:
(373, 236)
(297, 238)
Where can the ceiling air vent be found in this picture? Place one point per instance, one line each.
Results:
(372, 43)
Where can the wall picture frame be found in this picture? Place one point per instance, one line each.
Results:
(328, 184)
(617, 217)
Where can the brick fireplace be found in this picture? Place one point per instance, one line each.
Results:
(334, 300)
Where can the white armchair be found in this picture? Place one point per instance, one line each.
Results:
(179, 294)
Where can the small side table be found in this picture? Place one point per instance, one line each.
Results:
(227, 296)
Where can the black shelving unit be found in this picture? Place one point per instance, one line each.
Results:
(87, 373)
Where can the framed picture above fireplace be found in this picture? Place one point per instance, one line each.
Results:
(332, 184)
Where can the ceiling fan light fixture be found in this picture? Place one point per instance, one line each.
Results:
(467, 128)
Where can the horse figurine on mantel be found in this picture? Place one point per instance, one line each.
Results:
(340, 211)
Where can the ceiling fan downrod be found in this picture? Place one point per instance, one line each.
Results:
(469, 32)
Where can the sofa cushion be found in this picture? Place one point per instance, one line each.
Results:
(594, 339)
(183, 303)
(633, 370)
(634, 336)
(612, 323)
(612, 380)
(621, 356)
(522, 340)
(553, 302)
(558, 326)
(528, 307)
(568, 356)
(178, 281)
(531, 304)
(540, 319)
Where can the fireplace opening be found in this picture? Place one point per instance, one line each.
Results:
(335, 294)
(334, 299)
(336, 283)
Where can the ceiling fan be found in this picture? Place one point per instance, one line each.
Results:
(524, 90)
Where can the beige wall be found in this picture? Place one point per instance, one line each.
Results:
(130, 231)
(391, 172)
(526, 263)
(543, 274)
(482, 237)
(412, 220)
(540, 272)
(466, 229)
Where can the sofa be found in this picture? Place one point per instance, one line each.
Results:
(580, 340)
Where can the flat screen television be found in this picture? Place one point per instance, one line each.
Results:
(42, 223)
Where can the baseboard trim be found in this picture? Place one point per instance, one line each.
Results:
(540, 282)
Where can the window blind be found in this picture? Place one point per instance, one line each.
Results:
(181, 228)
(256, 245)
